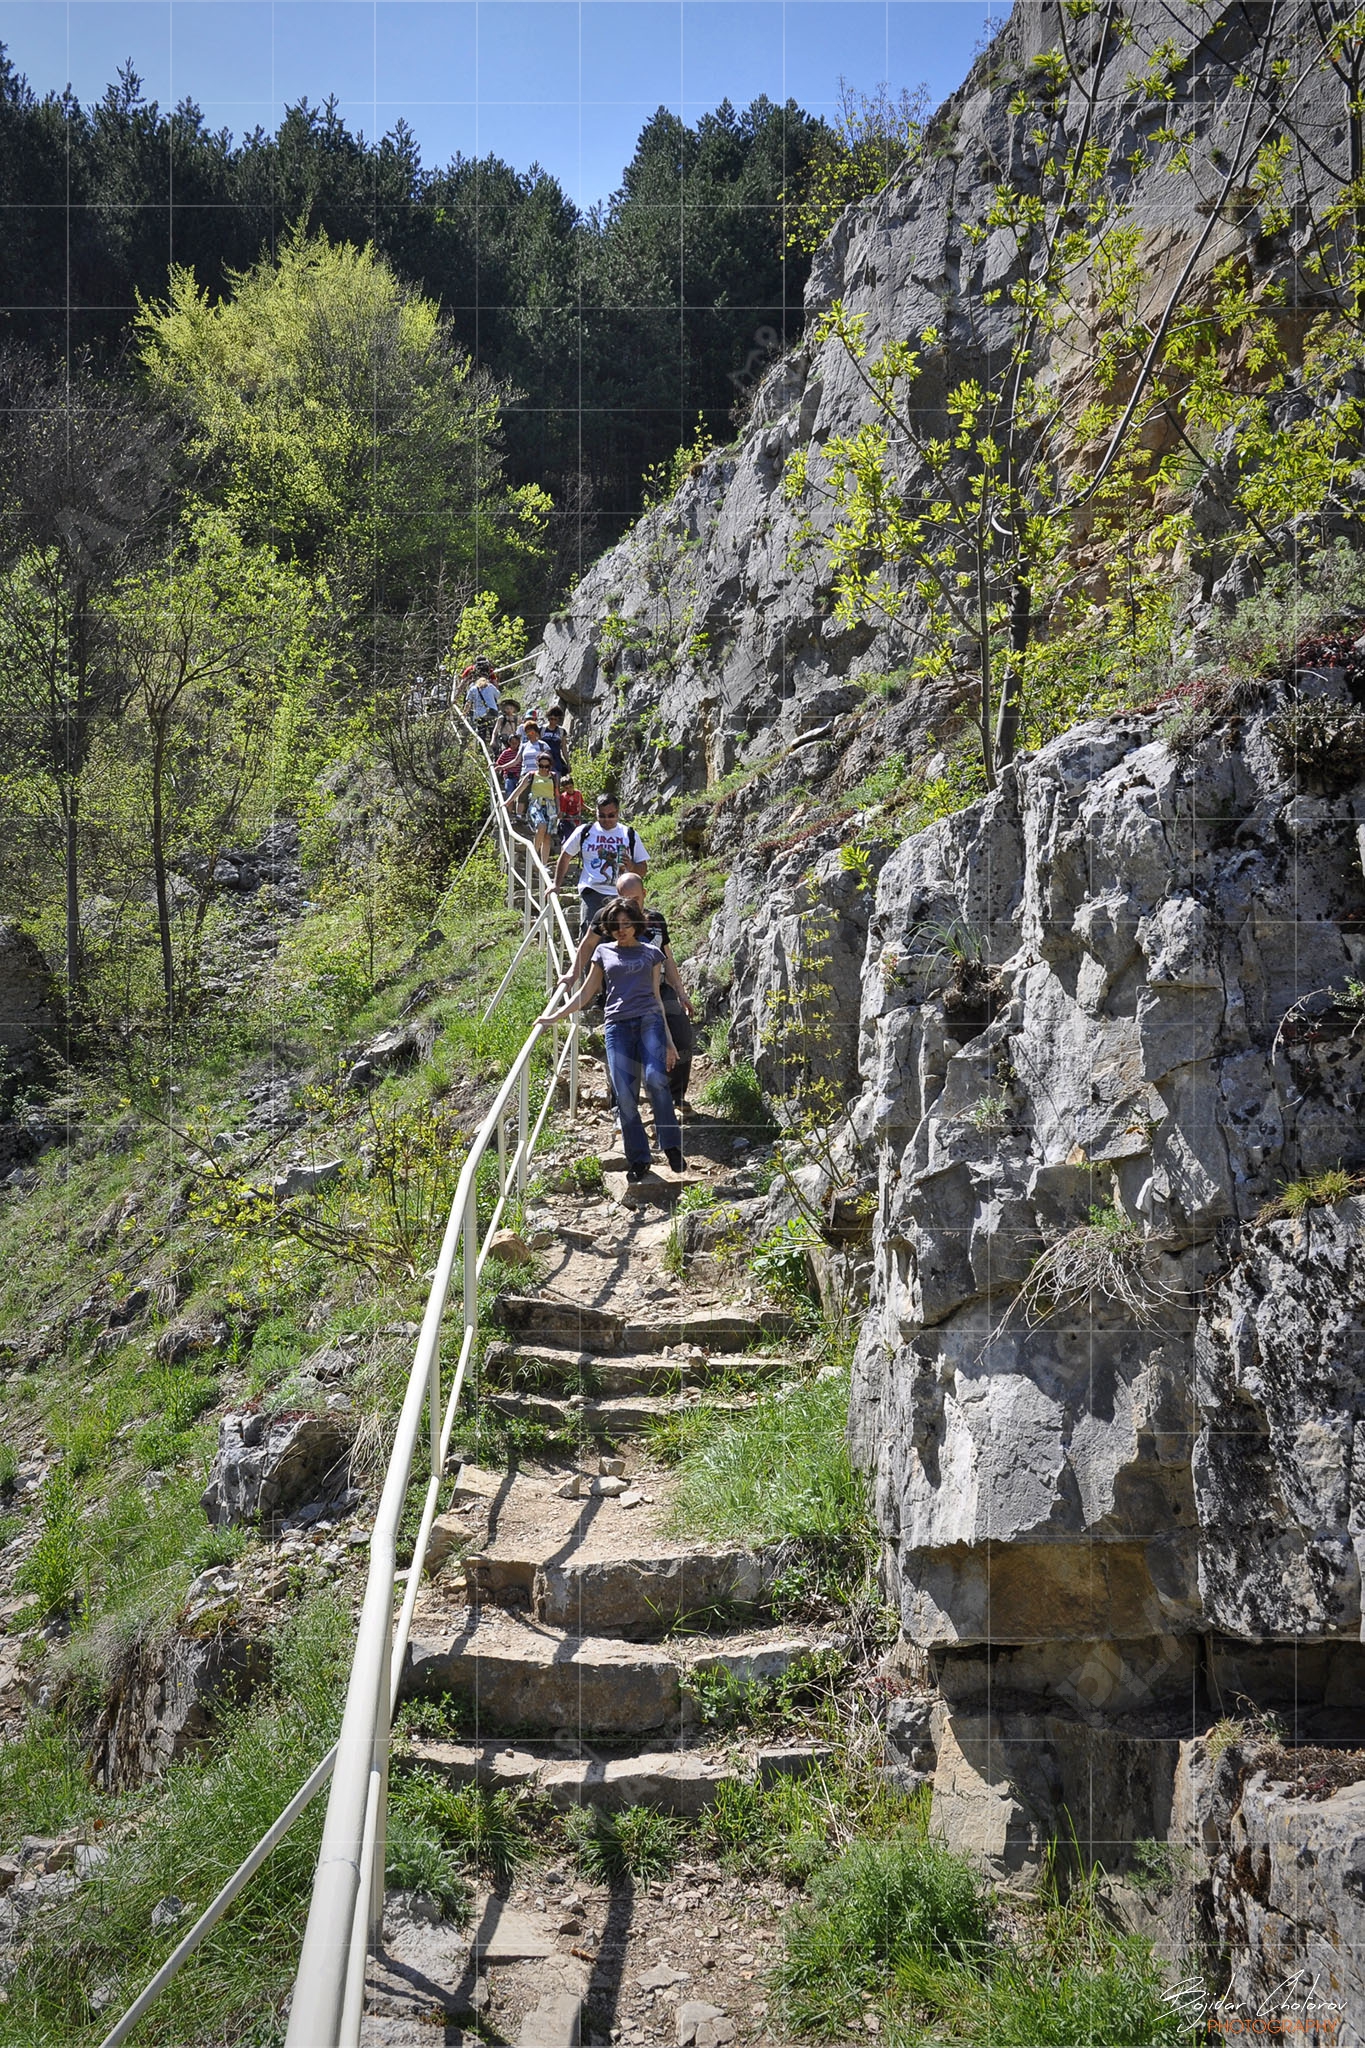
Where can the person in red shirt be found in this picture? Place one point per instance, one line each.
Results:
(570, 805)
(508, 765)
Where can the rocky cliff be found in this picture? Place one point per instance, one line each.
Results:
(1110, 1385)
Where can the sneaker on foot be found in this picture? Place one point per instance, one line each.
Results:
(636, 1173)
(674, 1157)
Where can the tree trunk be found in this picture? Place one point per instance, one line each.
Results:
(1012, 690)
(70, 803)
(163, 907)
(984, 643)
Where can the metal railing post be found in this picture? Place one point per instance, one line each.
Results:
(528, 885)
(573, 1065)
(471, 1266)
(523, 1126)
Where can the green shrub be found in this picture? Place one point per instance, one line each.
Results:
(882, 1907)
(781, 1261)
(734, 1092)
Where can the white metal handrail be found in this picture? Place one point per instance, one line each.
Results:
(348, 1886)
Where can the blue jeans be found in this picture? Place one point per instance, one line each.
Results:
(640, 1046)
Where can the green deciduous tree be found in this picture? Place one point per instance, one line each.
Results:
(85, 472)
(343, 424)
(1016, 460)
(208, 643)
(874, 135)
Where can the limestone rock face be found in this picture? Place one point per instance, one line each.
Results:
(170, 1704)
(706, 639)
(1074, 1043)
(1279, 1462)
(267, 1466)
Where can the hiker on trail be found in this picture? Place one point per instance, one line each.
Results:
(481, 698)
(639, 1043)
(607, 849)
(508, 726)
(570, 805)
(676, 1001)
(532, 747)
(556, 739)
(540, 792)
(508, 765)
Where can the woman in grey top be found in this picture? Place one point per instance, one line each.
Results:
(639, 1044)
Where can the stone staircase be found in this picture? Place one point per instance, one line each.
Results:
(568, 1625)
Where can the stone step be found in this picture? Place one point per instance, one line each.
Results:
(531, 1367)
(646, 1597)
(542, 1318)
(588, 1562)
(672, 1780)
(516, 1675)
(661, 1187)
(629, 1416)
(682, 1781)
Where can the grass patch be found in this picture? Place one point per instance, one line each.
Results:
(637, 1842)
(902, 1929)
(90, 1955)
(1317, 1191)
(896, 1909)
(778, 1469)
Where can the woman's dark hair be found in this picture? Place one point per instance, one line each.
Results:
(608, 914)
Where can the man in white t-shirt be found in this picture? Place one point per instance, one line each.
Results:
(607, 850)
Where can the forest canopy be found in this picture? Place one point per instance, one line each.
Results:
(615, 327)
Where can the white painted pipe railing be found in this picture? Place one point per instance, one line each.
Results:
(347, 1904)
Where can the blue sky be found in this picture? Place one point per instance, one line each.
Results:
(566, 83)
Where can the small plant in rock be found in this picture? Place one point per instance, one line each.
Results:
(446, 1715)
(1317, 1191)
(991, 1113)
(577, 1177)
(1108, 1257)
(1319, 743)
(805, 1690)
(637, 1842)
(1158, 1867)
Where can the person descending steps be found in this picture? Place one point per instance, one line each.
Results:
(607, 850)
(639, 1042)
(676, 1001)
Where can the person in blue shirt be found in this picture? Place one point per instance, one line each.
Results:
(639, 1043)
